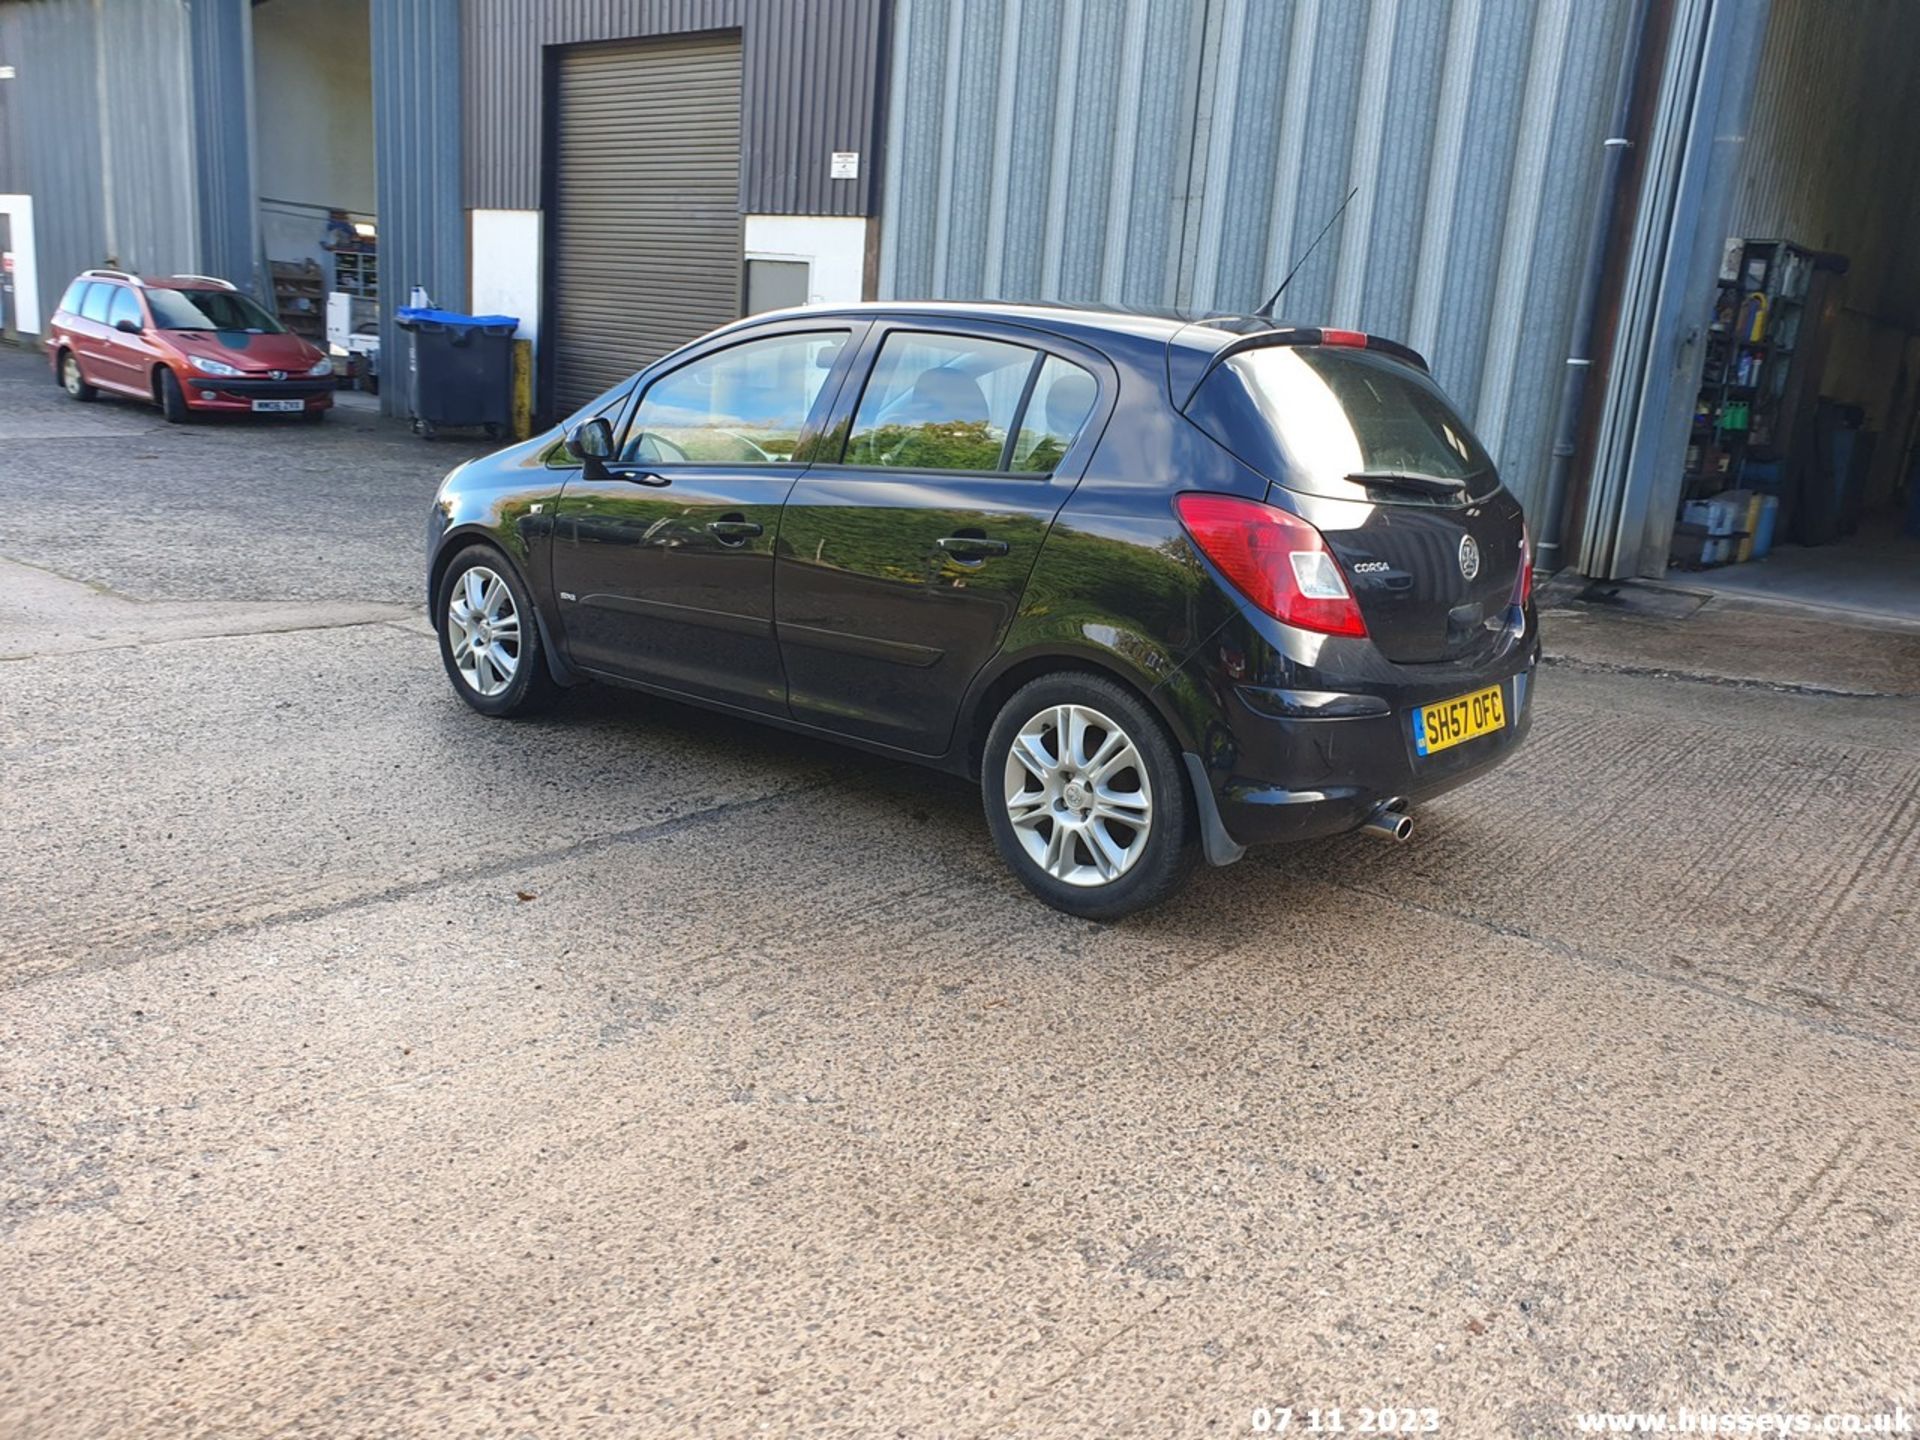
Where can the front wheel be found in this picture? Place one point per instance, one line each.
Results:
(173, 400)
(72, 381)
(489, 640)
(1086, 797)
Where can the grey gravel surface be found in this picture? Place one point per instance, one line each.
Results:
(368, 1068)
(232, 508)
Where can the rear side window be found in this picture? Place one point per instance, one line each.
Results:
(1331, 420)
(76, 292)
(939, 402)
(94, 306)
(126, 306)
(1062, 399)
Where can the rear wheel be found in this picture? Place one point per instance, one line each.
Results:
(173, 399)
(489, 639)
(1086, 797)
(71, 379)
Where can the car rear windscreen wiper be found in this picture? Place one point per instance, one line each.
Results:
(1411, 480)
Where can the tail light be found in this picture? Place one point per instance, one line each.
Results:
(1277, 560)
(1523, 583)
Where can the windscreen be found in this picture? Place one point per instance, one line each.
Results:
(1335, 420)
(209, 310)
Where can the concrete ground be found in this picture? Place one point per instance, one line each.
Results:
(368, 1068)
(1877, 569)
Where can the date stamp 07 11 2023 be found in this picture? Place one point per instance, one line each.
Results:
(1344, 1420)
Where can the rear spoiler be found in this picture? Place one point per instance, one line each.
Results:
(1304, 335)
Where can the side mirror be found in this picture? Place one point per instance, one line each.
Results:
(126, 326)
(591, 443)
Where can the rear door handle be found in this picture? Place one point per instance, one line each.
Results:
(976, 547)
(732, 532)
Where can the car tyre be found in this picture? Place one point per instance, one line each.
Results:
(1102, 827)
(313, 417)
(72, 381)
(489, 639)
(173, 399)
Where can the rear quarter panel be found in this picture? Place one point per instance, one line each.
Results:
(1118, 586)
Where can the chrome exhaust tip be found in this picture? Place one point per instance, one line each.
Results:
(1389, 822)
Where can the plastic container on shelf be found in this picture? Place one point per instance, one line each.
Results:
(1766, 517)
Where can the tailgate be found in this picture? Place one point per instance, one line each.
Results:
(1433, 582)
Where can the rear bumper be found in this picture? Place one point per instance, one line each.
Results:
(1280, 765)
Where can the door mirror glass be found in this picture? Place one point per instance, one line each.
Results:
(591, 440)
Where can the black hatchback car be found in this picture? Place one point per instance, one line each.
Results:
(1167, 587)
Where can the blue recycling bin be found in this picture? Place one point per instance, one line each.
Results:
(459, 369)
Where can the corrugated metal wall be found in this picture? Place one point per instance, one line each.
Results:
(1830, 163)
(810, 77)
(416, 136)
(147, 165)
(1157, 152)
(131, 143)
(1815, 172)
(1691, 149)
(11, 157)
(56, 137)
(221, 38)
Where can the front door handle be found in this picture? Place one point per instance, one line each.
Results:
(971, 547)
(635, 476)
(733, 531)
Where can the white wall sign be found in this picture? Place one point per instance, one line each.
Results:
(845, 165)
(834, 247)
(26, 279)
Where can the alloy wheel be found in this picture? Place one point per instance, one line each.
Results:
(483, 631)
(1078, 795)
(70, 375)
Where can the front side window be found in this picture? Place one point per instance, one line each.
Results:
(99, 296)
(126, 306)
(940, 402)
(745, 405)
(210, 310)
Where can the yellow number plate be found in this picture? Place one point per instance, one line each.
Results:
(1435, 727)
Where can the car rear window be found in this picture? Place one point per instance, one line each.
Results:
(1346, 422)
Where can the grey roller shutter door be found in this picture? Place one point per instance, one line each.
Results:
(646, 225)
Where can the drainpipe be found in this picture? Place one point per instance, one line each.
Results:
(1573, 388)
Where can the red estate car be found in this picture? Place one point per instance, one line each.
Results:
(188, 343)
